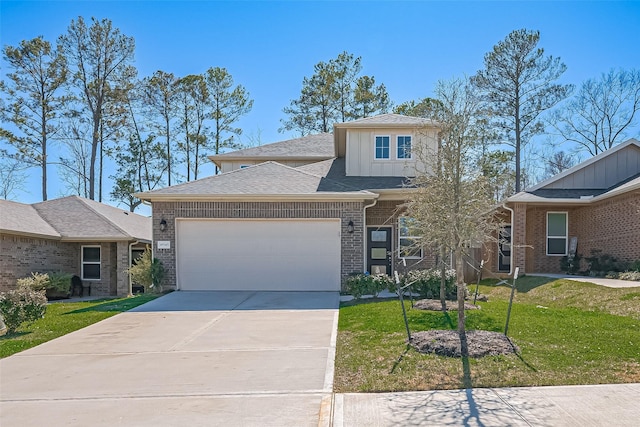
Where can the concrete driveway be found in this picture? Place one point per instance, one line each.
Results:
(188, 358)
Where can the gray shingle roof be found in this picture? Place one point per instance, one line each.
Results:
(269, 178)
(23, 219)
(335, 171)
(320, 145)
(388, 119)
(72, 218)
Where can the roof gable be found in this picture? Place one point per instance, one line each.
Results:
(604, 171)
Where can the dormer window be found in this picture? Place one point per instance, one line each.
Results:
(404, 147)
(382, 147)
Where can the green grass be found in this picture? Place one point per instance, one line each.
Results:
(64, 317)
(567, 332)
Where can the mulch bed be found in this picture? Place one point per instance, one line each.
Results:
(436, 305)
(447, 343)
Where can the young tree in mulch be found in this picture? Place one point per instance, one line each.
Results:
(451, 206)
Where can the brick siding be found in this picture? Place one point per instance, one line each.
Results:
(20, 256)
(611, 226)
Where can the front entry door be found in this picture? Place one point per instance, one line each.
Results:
(379, 250)
(504, 252)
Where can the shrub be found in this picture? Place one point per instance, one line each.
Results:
(60, 282)
(570, 265)
(148, 272)
(600, 264)
(20, 305)
(55, 284)
(630, 275)
(366, 284)
(426, 283)
(634, 266)
(37, 282)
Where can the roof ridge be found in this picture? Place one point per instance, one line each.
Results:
(84, 202)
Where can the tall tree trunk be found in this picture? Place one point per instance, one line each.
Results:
(94, 154)
(443, 279)
(464, 348)
(44, 165)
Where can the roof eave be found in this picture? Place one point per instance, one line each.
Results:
(29, 234)
(224, 158)
(325, 196)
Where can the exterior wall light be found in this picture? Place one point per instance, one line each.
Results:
(350, 227)
(163, 225)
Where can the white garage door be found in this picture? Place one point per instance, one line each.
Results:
(278, 255)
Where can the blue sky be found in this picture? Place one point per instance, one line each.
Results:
(270, 46)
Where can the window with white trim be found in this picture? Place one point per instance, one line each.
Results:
(382, 147)
(404, 147)
(557, 233)
(408, 242)
(91, 263)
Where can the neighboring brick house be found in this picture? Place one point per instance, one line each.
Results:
(71, 235)
(595, 204)
(300, 214)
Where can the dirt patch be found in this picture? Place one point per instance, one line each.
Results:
(447, 343)
(436, 305)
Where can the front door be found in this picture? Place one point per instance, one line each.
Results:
(504, 252)
(379, 250)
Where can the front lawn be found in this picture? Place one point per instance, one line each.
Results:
(568, 333)
(64, 317)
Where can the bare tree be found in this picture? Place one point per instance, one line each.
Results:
(99, 56)
(600, 114)
(12, 178)
(558, 162)
(34, 101)
(451, 206)
(518, 82)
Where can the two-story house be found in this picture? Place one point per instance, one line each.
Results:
(299, 214)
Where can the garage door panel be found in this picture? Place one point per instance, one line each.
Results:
(258, 254)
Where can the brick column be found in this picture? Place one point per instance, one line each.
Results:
(122, 277)
(519, 237)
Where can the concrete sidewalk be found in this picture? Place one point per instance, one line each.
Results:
(592, 405)
(602, 281)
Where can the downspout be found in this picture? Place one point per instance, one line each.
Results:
(504, 205)
(364, 233)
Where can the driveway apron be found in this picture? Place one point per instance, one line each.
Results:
(188, 358)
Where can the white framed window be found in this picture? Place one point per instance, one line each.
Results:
(557, 233)
(91, 262)
(404, 147)
(382, 147)
(408, 243)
